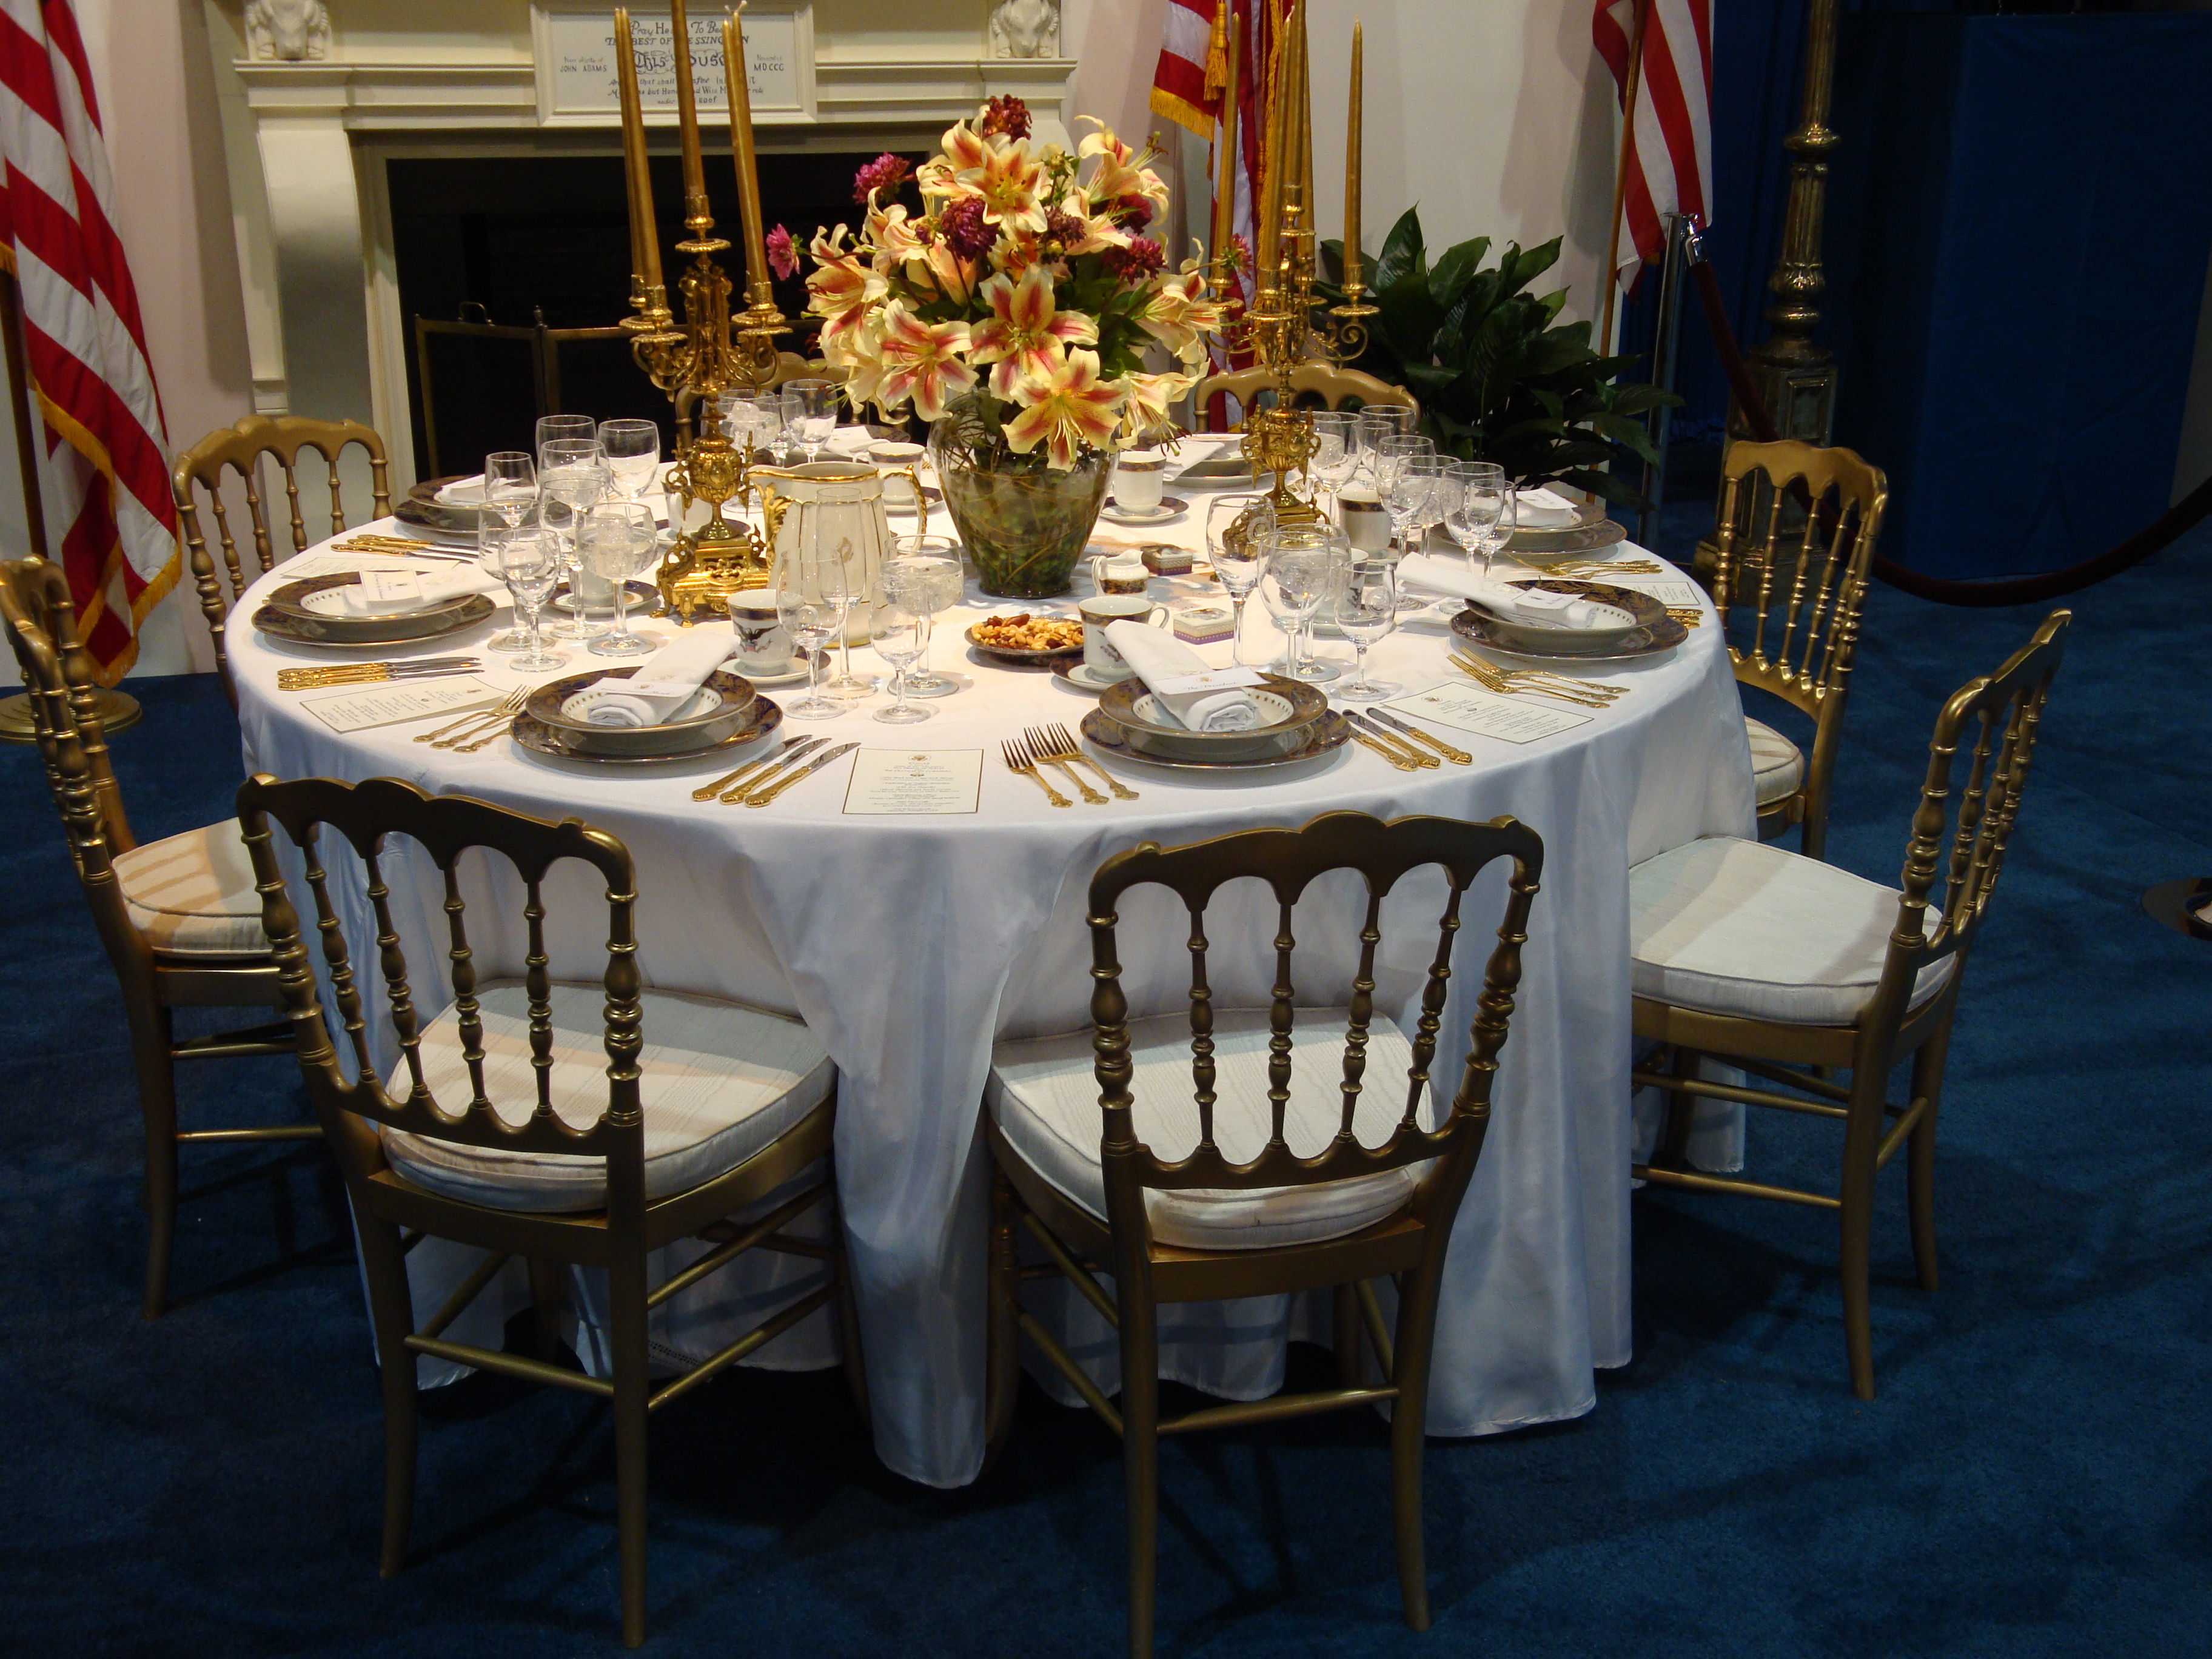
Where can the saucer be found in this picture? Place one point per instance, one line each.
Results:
(1170, 506)
(1080, 675)
(793, 675)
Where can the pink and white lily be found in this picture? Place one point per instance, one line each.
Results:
(1145, 410)
(1025, 336)
(923, 361)
(1066, 408)
(840, 289)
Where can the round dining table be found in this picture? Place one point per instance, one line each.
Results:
(909, 944)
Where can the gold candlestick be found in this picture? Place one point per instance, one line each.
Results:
(736, 73)
(644, 233)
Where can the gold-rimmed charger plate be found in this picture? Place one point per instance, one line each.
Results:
(533, 734)
(1107, 736)
(1590, 531)
(1655, 630)
(670, 741)
(1297, 705)
(284, 616)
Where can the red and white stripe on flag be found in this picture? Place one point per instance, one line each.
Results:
(104, 450)
(1179, 89)
(1668, 157)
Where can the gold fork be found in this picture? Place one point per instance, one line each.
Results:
(1594, 688)
(1044, 752)
(1017, 760)
(1064, 747)
(1489, 678)
(1592, 569)
(494, 723)
(509, 706)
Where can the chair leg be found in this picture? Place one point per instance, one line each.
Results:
(1002, 1364)
(1681, 1112)
(1862, 1140)
(1920, 1155)
(152, 1037)
(384, 1264)
(1347, 1334)
(1409, 1414)
(545, 1309)
(1140, 1459)
(626, 1320)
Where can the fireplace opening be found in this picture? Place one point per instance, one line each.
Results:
(518, 241)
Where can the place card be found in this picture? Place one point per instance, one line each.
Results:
(1666, 591)
(1212, 679)
(1471, 708)
(392, 586)
(395, 701)
(898, 782)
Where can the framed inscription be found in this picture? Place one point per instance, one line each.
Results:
(575, 47)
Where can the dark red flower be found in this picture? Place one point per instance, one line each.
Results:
(782, 257)
(1008, 115)
(1064, 228)
(1143, 257)
(885, 173)
(962, 227)
(1133, 212)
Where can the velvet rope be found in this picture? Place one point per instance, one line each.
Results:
(2160, 532)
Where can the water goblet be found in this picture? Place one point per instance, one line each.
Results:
(936, 559)
(1389, 456)
(1237, 554)
(1372, 425)
(632, 449)
(1413, 480)
(1366, 610)
(530, 564)
(817, 412)
(510, 485)
(899, 630)
(553, 429)
(572, 477)
(1336, 451)
(492, 537)
(810, 601)
(1486, 514)
(1299, 566)
(615, 541)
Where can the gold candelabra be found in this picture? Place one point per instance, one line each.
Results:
(1281, 327)
(710, 351)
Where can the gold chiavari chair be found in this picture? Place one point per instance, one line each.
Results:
(241, 449)
(1330, 384)
(1791, 587)
(1275, 1188)
(179, 917)
(1781, 965)
(648, 1117)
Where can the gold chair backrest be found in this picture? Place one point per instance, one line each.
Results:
(1994, 719)
(1289, 861)
(57, 674)
(1790, 578)
(444, 826)
(1327, 384)
(241, 449)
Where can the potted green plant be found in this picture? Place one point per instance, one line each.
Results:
(1498, 376)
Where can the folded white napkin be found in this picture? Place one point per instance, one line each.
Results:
(1513, 603)
(394, 592)
(664, 681)
(850, 442)
(1543, 509)
(1157, 656)
(463, 492)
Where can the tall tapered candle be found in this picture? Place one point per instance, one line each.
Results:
(1266, 255)
(1225, 192)
(687, 115)
(735, 72)
(644, 234)
(1351, 168)
(1301, 167)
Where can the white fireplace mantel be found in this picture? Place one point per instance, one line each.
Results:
(320, 132)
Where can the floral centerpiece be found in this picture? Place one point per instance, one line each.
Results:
(1015, 310)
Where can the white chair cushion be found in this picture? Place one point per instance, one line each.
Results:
(1745, 928)
(192, 894)
(1044, 1095)
(1777, 765)
(719, 1082)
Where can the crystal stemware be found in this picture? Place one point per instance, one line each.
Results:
(1238, 552)
(572, 477)
(554, 429)
(817, 413)
(899, 630)
(530, 564)
(615, 541)
(811, 599)
(1336, 451)
(936, 560)
(1301, 563)
(492, 537)
(632, 449)
(1366, 609)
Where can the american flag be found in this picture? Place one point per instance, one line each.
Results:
(103, 445)
(1669, 155)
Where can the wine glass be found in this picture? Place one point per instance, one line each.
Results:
(938, 561)
(1372, 425)
(492, 537)
(817, 412)
(632, 449)
(899, 630)
(791, 407)
(1366, 610)
(615, 541)
(572, 476)
(1336, 451)
(1429, 507)
(1236, 551)
(510, 485)
(1299, 563)
(1407, 497)
(552, 429)
(1485, 520)
(811, 599)
(530, 563)
(757, 422)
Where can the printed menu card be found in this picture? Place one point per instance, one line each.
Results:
(1471, 708)
(901, 782)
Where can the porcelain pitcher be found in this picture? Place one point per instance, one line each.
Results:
(833, 508)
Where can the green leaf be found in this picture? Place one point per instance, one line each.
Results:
(1450, 276)
(1408, 318)
(1401, 249)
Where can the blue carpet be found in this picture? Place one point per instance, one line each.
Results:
(2036, 1477)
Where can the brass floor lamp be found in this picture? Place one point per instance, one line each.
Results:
(118, 710)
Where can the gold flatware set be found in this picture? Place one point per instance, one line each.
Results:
(1054, 745)
(487, 723)
(373, 673)
(401, 546)
(1590, 570)
(1536, 682)
(758, 783)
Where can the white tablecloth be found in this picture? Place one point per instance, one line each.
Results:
(908, 942)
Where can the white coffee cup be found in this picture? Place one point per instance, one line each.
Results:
(1099, 614)
(1140, 478)
(1366, 521)
(764, 644)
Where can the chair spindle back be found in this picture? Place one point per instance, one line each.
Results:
(58, 676)
(1329, 385)
(1289, 861)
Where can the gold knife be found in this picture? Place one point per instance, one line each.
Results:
(1362, 721)
(1457, 757)
(763, 796)
(789, 751)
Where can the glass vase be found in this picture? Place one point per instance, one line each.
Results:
(1024, 523)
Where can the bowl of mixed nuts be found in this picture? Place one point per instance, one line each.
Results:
(1031, 638)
